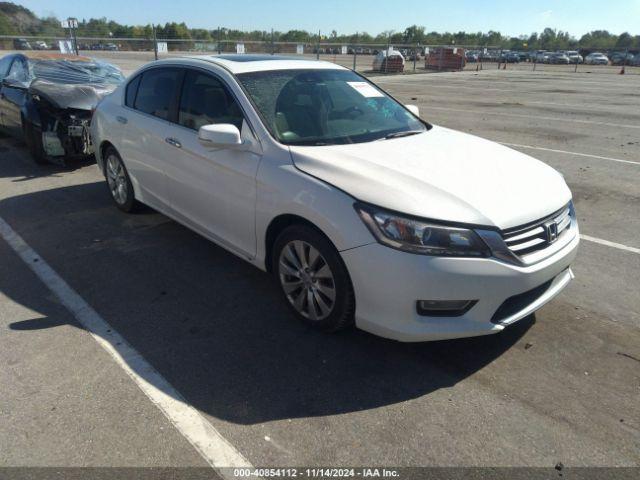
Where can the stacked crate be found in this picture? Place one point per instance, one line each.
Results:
(445, 58)
(395, 64)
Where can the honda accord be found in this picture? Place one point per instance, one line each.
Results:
(365, 213)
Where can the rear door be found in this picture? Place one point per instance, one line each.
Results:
(145, 124)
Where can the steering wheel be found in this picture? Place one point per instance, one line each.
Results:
(353, 111)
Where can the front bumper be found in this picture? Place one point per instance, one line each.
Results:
(388, 283)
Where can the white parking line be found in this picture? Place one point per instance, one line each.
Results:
(482, 88)
(588, 155)
(213, 447)
(619, 246)
(534, 117)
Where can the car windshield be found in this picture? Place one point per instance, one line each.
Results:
(75, 71)
(326, 107)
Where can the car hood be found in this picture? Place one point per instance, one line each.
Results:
(75, 96)
(442, 175)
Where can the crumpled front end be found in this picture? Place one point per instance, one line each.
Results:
(64, 113)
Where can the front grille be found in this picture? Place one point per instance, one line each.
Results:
(538, 235)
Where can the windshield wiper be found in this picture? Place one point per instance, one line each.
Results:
(402, 134)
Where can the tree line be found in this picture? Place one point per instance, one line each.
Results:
(18, 20)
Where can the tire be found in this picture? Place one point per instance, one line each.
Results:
(118, 181)
(33, 139)
(321, 279)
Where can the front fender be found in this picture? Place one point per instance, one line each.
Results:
(285, 190)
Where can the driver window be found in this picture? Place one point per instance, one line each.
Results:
(5, 63)
(205, 100)
(18, 71)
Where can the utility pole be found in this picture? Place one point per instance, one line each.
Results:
(355, 52)
(386, 58)
(73, 25)
(218, 40)
(155, 41)
(272, 45)
(318, 47)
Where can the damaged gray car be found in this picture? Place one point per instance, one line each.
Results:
(47, 99)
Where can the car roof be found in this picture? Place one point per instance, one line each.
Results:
(242, 63)
(35, 55)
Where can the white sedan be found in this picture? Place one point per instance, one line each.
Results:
(596, 58)
(363, 212)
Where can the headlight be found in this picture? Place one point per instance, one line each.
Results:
(417, 236)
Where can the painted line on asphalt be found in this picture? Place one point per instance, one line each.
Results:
(564, 152)
(607, 243)
(213, 447)
(535, 117)
(489, 76)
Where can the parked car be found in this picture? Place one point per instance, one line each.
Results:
(21, 44)
(621, 58)
(635, 61)
(544, 57)
(574, 57)
(388, 62)
(40, 45)
(413, 55)
(471, 57)
(559, 58)
(47, 100)
(512, 57)
(111, 47)
(596, 58)
(362, 211)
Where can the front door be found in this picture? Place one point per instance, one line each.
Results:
(212, 188)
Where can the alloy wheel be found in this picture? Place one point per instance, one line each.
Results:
(307, 280)
(117, 179)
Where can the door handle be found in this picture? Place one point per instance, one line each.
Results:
(173, 141)
(122, 120)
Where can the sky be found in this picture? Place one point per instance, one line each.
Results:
(350, 16)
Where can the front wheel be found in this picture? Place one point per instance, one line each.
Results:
(33, 139)
(120, 186)
(313, 278)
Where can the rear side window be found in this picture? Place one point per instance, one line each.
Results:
(5, 63)
(157, 91)
(206, 100)
(132, 88)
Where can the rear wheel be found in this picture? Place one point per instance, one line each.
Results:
(120, 186)
(313, 278)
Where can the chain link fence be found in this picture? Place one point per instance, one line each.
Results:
(367, 58)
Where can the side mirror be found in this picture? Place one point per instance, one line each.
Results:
(220, 134)
(413, 109)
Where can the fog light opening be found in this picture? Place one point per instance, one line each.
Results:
(444, 308)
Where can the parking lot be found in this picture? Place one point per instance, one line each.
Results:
(184, 328)
(129, 60)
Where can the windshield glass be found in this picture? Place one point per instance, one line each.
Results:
(75, 71)
(325, 107)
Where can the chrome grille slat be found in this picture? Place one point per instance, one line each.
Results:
(529, 244)
(522, 236)
(532, 237)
